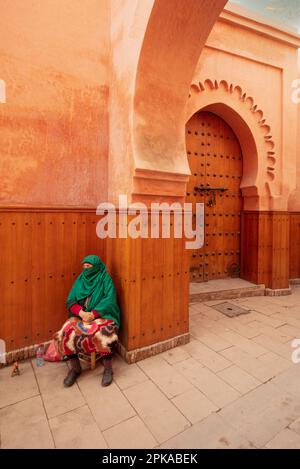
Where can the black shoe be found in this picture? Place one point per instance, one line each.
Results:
(107, 376)
(73, 373)
(70, 378)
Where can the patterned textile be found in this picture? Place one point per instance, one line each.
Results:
(77, 336)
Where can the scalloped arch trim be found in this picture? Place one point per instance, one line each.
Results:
(237, 93)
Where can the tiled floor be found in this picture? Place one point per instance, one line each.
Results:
(233, 386)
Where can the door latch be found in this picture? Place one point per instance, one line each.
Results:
(212, 193)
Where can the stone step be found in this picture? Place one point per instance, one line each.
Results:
(202, 292)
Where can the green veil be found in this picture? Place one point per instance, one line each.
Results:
(96, 283)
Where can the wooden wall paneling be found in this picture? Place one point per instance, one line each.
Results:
(40, 259)
(95, 244)
(168, 303)
(15, 322)
(175, 315)
(183, 325)
(61, 266)
(294, 245)
(276, 251)
(157, 288)
(293, 251)
(276, 257)
(135, 323)
(21, 262)
(126, 297)
(154, 296)
(260, 248)
(22, 287)
(65, 264)
(148, 301)
(56, 266)
(249, 247)
(117, 255)
(17, 308)
(244, 247)
(269, 252)
(38, 274)
(264, 248)
(286, 249)
(280, 267)
(253, 253)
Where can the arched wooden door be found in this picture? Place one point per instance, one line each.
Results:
(215, 160)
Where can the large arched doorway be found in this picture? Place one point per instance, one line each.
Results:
(216, 164)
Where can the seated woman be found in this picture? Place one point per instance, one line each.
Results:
(94, 320)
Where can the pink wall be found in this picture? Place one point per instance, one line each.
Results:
(54, 58)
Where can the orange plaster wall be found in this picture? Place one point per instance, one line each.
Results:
(54, 58)
(72, 102)
(129, 20)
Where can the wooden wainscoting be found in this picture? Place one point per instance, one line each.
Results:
(152, 279)
(41, 253)
(249, 246)
(294, 245)
(265, 248)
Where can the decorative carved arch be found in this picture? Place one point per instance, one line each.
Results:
(248, 122)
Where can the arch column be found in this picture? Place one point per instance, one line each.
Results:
(147, 159)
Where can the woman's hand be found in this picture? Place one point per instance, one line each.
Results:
(86, 316)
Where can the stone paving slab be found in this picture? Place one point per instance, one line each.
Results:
(130, 434)
(295, 426)
(210, 339)
(77, 429)
(18, 388)
(165, 376)
(175, 355)
(24, 425)
(262, 413)
(109, 405)
(194, 405)
(286, 439)
(289, 380)
(51, 376)
(239, 379)
(211, 433)
(126, 376)
(213, 387)
(273, 345)
(206, 356)
(248, 363)
(159, 414)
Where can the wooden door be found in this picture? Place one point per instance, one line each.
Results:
(215, 160)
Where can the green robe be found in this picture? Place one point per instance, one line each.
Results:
(95, 283)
